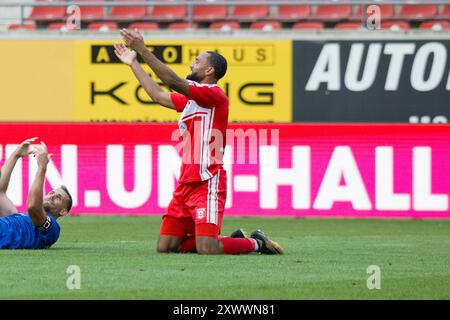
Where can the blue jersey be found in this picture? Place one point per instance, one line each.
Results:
(18, 232)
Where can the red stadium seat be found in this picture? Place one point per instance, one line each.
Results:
(308, 26)
(102, 26)
(435, 25)
(417, 11)
(59, 26)
(174, 12)
(348, 26)
(224, 25)
(89, 13)
(210, 13)
(445, 13)
(46, 13)
(394, 25)
(127, 12)
(387, 11)
(250, 12)
(146, 26)
(289, 12)
(181, 26)
(266, 25)
(333, 12)
(29, 26)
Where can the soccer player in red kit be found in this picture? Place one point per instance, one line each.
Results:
(194, 216)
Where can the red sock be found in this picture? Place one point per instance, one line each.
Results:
(237, 245)
(188, 244)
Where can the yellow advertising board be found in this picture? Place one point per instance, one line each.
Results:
(83, 80)
(258, 80)
(37, 80)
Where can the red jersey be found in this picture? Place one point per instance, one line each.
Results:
(203, 124)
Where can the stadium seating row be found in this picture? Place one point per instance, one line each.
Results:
(241, 13)
(234, 25)
(234, 17)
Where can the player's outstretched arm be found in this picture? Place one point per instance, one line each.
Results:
(36, 194)
(135, 41)
(21, 151)
(155, 92)
(6, 205)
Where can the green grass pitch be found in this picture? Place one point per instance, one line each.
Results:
(325, 259)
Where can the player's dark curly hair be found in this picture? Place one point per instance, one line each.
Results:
(69, 202)
(219, 63)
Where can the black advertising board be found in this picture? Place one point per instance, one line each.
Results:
(371, 81)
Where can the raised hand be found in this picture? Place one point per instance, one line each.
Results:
(41, 154)
(133, 39)
(22, 149)
(125, 55)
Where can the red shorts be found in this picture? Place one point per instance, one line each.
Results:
(197, 208)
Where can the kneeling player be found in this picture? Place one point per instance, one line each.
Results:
(194, 217)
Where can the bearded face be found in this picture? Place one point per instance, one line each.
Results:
(199, 68)
(193, 77)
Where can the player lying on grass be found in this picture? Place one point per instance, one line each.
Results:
(194, 216)
(38, 228)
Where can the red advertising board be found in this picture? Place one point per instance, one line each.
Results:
(302, 170)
